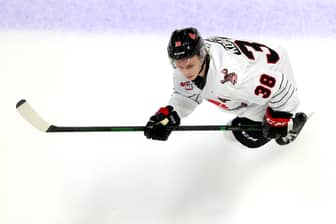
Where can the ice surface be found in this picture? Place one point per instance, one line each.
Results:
(199, 177)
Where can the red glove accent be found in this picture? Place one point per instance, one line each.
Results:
(164, 110)
(277, 119)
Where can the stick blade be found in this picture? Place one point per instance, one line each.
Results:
(30, 115)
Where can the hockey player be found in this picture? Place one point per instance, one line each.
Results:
(251, 80)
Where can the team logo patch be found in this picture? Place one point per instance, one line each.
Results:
(229, 77)
(187, 85)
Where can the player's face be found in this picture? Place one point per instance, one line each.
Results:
(190, 67)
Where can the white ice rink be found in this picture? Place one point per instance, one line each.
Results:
(123, 178)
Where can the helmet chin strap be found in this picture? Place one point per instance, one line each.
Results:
(204, 61)
(200, 81)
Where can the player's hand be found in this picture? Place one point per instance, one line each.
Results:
(162, 123)
(275, 124)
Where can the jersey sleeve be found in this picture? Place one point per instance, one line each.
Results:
(182, 104)
(285, 98)
(185, 97)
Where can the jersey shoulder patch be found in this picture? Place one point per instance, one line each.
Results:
(184, 85)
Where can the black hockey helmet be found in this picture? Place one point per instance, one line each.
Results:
(185, 43)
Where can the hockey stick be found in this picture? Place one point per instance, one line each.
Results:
(29, 114)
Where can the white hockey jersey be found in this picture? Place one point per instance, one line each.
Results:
(243, 78)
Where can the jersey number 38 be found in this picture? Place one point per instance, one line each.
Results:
(267, 82)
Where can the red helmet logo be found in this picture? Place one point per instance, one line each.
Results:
(192, 36)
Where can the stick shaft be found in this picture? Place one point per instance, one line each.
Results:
(54, 128)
